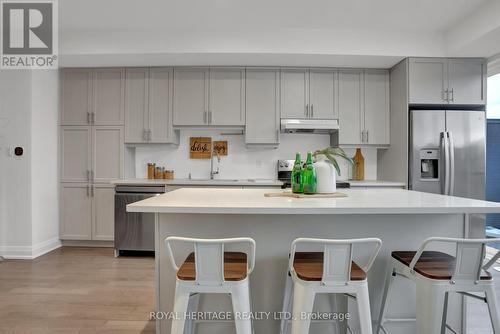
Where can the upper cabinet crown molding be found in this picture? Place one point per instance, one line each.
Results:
(209, 96)
(92, 96)
(447, 81)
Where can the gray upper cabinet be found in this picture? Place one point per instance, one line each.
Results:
(447, 81)
(191, 96)
(148, 106)
(351, 92)
(376, 107)
(109, 96)
(91, 97)
(262, 106)
(205, 97)
(76, 96)
(160, 106)
(323, 93)
(467, 81)
(227, 96)
(294, 93)
(364, 113)
(309, 93)
(428, 80)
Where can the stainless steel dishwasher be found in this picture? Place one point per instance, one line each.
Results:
(134, 231)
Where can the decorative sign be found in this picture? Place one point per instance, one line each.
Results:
(220, 147)
(200, 147)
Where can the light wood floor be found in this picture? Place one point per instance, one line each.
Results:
(77, 290)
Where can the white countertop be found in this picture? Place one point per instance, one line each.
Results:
(358, 201)
(376, 183)
(201, 182)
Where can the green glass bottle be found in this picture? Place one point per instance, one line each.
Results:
(297, 175)
(309, 176)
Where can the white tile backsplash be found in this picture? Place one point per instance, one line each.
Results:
(241, 162)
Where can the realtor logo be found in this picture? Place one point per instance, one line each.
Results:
(29, 34)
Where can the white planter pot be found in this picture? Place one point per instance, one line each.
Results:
(326, 176)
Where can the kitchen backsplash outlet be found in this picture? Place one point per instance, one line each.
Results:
(242, 162)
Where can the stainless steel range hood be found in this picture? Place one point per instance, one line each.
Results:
(322, 126)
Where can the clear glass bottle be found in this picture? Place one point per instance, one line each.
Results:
(297, 186)
(309, 179)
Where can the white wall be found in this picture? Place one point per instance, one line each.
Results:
(241, 163)
(44, 160)
(15, 178)
(28, 184)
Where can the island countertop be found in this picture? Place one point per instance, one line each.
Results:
(358, 201)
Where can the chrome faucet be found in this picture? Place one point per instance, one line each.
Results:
(212, 171)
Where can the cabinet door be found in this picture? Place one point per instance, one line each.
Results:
(76, 153)
(76, 211)
(466, 81)
(294, 93)
(103, 212)
(227, 96)
(428, 80)
(109, 91)
(107, 160)
(262, 106)
(160, 105)
(322, 93)
(191, 96)
(376, 107)
(136, 105)
(350, 106)
(76, 96)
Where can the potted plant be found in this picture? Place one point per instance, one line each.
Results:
(327, 168)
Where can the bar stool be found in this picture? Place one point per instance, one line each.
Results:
(209, 269)
(436, 274)
(331, 271)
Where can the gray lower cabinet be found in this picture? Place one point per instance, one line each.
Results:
(87, 211)
(148, 106)
(262, 106)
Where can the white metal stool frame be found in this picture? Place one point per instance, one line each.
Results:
(432, 294)
(336, 279)
(209, 278)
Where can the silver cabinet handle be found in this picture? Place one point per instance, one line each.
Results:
(446, 95)
(363, 136)
(205, 117)
(210, 117)
(88, 175)
(92, 191)
(312, 110)
(367, 136)
(452, 95)
(306, 110)
(88, 117)
(88, 190)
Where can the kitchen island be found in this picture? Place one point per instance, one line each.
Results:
(401, 218)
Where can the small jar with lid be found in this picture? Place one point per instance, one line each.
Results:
(159, 172)
(168, 175)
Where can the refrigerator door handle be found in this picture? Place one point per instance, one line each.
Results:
(451, 148)
(445, 163)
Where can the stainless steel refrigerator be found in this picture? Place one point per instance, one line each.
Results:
(447, 152)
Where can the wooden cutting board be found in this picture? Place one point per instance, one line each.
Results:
(293, 195)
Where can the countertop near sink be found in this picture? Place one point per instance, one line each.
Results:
(201, 182)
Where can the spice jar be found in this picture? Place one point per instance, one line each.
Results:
(168, 174)
(151, 170)
(159, 172)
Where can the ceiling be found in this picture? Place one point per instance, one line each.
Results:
(381, 28)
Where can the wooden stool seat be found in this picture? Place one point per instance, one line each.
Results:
(433, 265)
(309, 267)
(235, 267)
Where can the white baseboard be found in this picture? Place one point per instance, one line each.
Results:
(29, 252)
